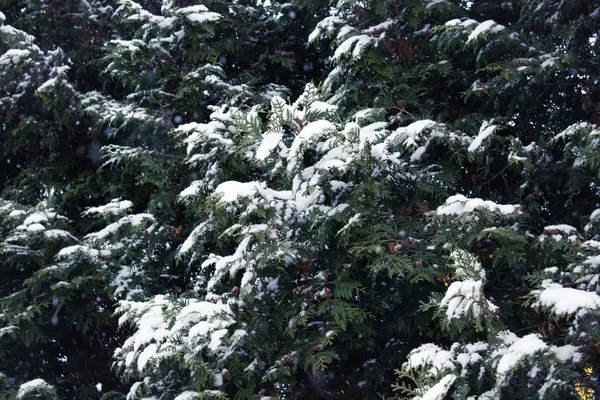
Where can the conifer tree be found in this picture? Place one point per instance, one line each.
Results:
(249, 200)
(159, 65)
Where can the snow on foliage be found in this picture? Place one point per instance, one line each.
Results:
(356, 44)
(582, 129)
(135, 220)
(100, 251)
(14, 56)
(499, 358)
(191, 191)
(115, 207)
(431, 356)
(565, 301)
(164, 332)
(484, 132)
(58, 78)
(350, 43)
(199, 14)
(234, 192)
(484, 28)
(303, 147)
(31, 223)
(303, 230)
(514, 350)
(417, 136)
(459, 205)
(325, 28)
(188, 395)
(437, 391)
(463, 297)
(466, 296)
(35, 387)
(114, 113)
(593, 220)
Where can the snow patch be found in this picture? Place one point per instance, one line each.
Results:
(34, 386)
(459, 205)
(484, 132)
(439, 390)
(115, 207)
(565, 301)
(488, 26)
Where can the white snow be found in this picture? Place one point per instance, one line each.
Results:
(224, 264)
(549, 62)
(321, 107)
(203, 17)
(129, 220)
(191, 191)
(162, 330)
(351, 222)
(470, 356)
(484, 132)
(46, 85)
(567, 353)
(39, 217)
(199, 8)
(379, 27)
(269, 142)
(232, 191)
(566, 229)
(36, 228)
(189, 395)
(565, 301)
(68, 251)
(431, 3)
(463, 297)
(193, 237)
(367, 134)
(145, 356)
(410, 135)
(466, 296)
(199, 13)
(7, 330)
(571, 131)
(204, 133)
(32, 387)
(430, 355)
(514, 157)
(312, 132)
(114, 207)
(273, 285)
(359, 42)
(519, 348)
(594, 217)
(131, 45)
(362, 43)
(484, 27)
(14, 56)
(439, 390)
(453, 22)
(344, 32)
(415, 136)
(16, 213)
(459, 204)
(324, 27)
(216, 339)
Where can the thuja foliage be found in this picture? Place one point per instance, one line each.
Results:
(347, 200)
